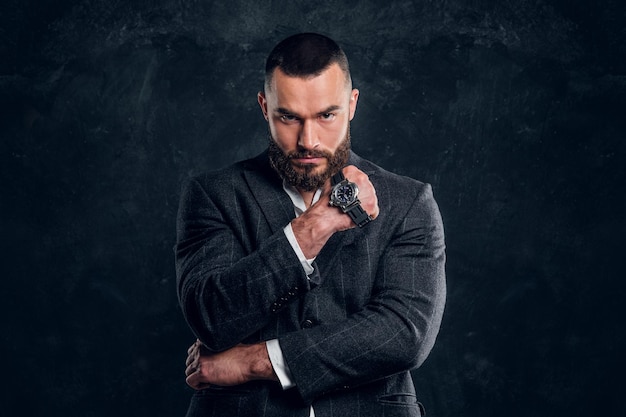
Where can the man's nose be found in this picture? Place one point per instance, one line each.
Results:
(308, 138)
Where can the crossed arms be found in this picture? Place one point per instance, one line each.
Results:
(227, 285)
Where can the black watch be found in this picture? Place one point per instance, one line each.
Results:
(344, 195)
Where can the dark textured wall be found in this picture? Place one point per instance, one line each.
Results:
(513, 110)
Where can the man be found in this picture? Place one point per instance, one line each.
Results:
(313, 279)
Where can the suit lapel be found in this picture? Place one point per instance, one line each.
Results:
(266, 188)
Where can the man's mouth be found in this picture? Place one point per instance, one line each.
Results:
(308, 160)
(314, 158)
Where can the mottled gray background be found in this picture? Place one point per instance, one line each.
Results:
(512, 110)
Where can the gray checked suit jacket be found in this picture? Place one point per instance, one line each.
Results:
(351, 333)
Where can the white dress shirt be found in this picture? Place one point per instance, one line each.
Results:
(273, 347)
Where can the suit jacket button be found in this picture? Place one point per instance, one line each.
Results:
(307, 324)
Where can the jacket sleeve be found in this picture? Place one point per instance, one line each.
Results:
(396, 329)
(228, 292)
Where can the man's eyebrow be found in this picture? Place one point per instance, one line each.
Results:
(287, 112)
(282, 110)
(330, 109)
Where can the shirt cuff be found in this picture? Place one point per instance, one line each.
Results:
(278, 363)
(307, 264)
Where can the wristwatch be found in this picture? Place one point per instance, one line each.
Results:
(344, 195)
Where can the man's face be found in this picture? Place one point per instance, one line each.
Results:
(309, 121)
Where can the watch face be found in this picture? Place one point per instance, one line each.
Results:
(344, 194)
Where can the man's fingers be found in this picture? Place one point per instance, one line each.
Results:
(190, 370)
(194, 352)
(189, 359)
(194, 346)
(193, 355)
(193, 381)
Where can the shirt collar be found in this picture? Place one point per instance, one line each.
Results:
(296, 198)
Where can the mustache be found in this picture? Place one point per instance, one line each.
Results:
(309, 154)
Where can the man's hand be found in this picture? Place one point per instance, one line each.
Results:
(367, 192)
(316, 225)
(237, 365)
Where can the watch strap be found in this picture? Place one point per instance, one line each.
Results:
(337, 178)
(358, 215)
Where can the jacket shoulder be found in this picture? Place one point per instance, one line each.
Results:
(392, 183)
(233, 174)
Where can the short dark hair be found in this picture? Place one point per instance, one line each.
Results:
(305, 55)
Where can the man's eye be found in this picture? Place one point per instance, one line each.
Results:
(327, 116)
(288, 118)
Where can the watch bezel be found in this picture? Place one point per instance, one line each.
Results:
(335, 200)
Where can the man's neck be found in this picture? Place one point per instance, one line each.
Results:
(301, 200)
(307, 196)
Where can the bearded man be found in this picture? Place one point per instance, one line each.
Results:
(312, 279)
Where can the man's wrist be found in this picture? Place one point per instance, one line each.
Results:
(281, 369)
(260, 364)
(312, 232)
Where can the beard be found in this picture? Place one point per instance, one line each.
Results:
(304, 178)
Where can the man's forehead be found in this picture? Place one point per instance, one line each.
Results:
(333, 74)
(322, 90)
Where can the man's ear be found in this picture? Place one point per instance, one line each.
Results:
(263, 103)
(354, 98)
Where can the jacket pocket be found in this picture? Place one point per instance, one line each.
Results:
(407, 400)
(398, 398)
